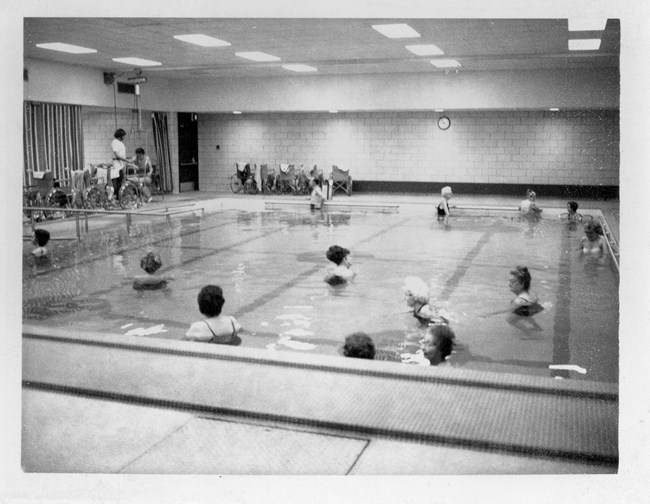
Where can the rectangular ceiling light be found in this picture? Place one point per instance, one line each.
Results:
(400, 30)
(300, 68)
(584, 45)
(137, 61)
(587, 24)
(68, 48)
(257, 56)
(425, 49)
(445, 63)
(202, 40)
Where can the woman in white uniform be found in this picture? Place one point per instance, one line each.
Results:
(119, 160)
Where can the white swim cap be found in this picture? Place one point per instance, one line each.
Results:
(445, 190)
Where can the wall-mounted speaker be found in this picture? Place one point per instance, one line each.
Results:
(25, 74)
(109, 78)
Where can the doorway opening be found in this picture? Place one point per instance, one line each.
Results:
(188, 151)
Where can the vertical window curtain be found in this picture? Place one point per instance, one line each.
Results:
(161, 143)
(52, 139)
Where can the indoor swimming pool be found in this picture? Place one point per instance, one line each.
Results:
(271, 267)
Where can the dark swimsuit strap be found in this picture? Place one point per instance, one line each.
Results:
(206, 323)
(232, 322)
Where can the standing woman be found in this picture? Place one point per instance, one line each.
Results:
(119, 160)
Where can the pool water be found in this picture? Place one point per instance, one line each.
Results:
(271, 267)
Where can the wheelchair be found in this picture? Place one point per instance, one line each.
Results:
(268, 178)
(62, 196)
(243, 179)
(285, 181)
(35, 187)
(341, 179)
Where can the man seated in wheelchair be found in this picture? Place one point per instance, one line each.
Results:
(143, 174)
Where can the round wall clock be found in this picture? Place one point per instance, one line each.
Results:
(444, 123)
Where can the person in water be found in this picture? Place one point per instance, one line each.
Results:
(528, 207)
(41, 239)
(594, 241)
(216, 327)
(359, 345)
(416, 292)
(526, 302)
(150, 263)
(443, 207)
(339, 272)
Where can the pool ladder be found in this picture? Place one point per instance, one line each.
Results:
(612, 242)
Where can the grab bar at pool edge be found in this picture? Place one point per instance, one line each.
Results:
(609, 239)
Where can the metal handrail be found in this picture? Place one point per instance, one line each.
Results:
(609, 239)
(127, 213)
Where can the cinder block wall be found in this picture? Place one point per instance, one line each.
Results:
(98, 130)
(490, 147)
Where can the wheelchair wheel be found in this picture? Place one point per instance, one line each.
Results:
(235, 184)
(93, 198)
(130, 197)
(250, 187)
(285, 187)
(58, 201)
(32, 200)
(77, 199)
(302, 186)
(268, 185)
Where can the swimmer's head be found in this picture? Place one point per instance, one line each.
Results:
(446, 192)
(41, 237)
(437, 343)
(415, 290)
(359, 345)
(594, 228)
(336, 254)
(151, 263)
(520, 279)
(572, 206)
(531, 195)
(210, 300)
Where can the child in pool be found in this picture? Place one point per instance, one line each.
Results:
(316, 194)
(150, 263)
(525, 304)
(594, 241)
(572, 214)
(443, 206)
(528, 207)
(41, 238)
(339, 273)
(359, 345)
(417, 297)
(215, 328)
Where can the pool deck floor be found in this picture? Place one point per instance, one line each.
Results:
(68, 428)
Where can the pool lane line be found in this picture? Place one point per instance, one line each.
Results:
(273, 294)
(162, 240)
(460, 271)
(382, 231)
(562, 317)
